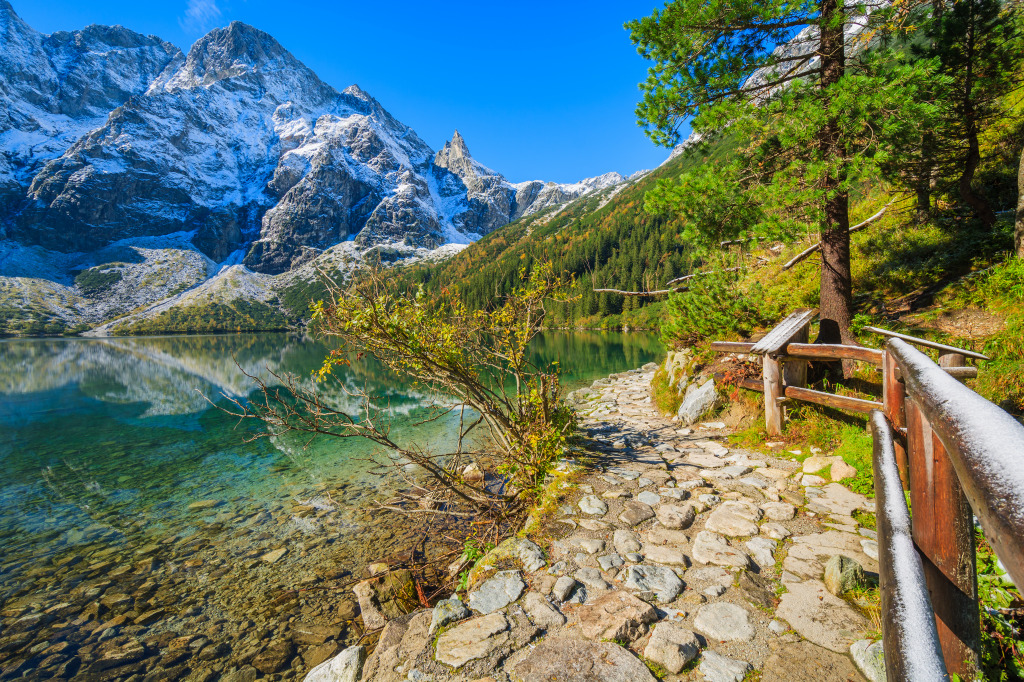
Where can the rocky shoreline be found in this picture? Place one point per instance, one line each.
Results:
(660, 550)
(246, 591)
(668, 555)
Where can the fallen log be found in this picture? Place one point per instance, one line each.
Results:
(859, 226)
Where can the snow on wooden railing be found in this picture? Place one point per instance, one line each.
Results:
(964, 458)
(957, 454)
(910, 640)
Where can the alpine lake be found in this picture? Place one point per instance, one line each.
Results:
(146, 534)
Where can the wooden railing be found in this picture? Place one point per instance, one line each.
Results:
(957, 454)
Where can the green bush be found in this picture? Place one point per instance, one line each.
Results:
(715, 308)
(97, 280)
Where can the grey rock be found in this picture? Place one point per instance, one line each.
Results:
(647, 497)
(725, 622)
(610, 561)
(870, 659)
(843, 574)
(591, 577)
(617, 616)
(734, 518)
(697, 403)
(626, 541)
(714, 591)
(472, 639)
(497, 592)
(778, 511)
(777, 627)
(762, 549)
(718, 668)
(541, 611)
(657, 579)
(672, 646)
(635, 512)
(592, 504)
(448, 611)
(345, 667)
(563, 588)
(709, 548)
(675, 517)
(558, 659)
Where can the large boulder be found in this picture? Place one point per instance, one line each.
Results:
(698, 402)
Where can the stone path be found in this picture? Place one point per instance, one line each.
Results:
(674, 549)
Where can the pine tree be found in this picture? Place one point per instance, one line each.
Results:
(801, 117)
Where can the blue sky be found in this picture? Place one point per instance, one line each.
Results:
(539, 90)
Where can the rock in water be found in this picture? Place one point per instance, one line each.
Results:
(472, 474)
(843, 574)
(672, 646)
(345, 667)
(368, 606)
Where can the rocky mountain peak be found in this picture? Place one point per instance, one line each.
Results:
(230, 52)
(455, 156)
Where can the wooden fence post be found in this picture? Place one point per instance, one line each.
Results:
(893, 396)
(943, 531)
(772, 392)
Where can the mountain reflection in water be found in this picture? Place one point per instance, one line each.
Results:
(122, 425)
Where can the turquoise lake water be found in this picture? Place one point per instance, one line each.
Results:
(133, 510)
(122, 427)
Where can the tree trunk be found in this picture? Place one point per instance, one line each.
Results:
(924, 196)
(836, 302)
(1018, 231)
(967, 193)
(977, 202)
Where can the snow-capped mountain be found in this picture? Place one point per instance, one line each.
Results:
(56, 88)
(179, 179)
(114, 135)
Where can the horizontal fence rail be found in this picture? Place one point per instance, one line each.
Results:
(910, 640)
(985, 445)
(958, 456)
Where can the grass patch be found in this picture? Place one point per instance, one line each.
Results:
(98, 280)
(665, 396)
(1002, 618)
(866, 519)
(868, 600)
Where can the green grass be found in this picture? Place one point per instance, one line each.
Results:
(237, 316)
(665, 397)
(98, 280)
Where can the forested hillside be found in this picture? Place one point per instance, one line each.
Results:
(606, 240)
